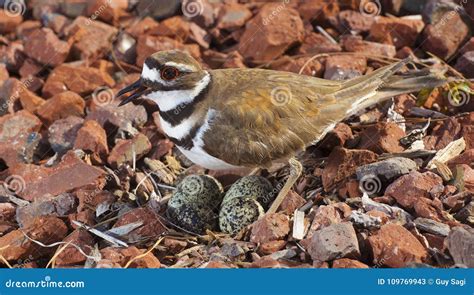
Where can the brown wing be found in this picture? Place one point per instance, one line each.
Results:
(266, 115)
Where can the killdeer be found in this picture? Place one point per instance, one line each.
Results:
(231, 118)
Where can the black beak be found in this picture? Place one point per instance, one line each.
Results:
(139, 90)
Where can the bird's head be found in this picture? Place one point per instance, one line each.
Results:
(170, 70)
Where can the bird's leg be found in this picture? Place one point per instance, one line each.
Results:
(295, 172)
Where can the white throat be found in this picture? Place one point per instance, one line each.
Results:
(173, 99)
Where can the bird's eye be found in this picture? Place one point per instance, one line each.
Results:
(169, 73)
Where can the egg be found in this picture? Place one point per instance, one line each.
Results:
(244, 202)
(253, 186)
(238, 213)
(195, 203)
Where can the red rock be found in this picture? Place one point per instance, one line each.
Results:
(24, 30)
(468, 176)
(337, 137)
(92, 39)
(56, 22)
(46, 230)
(174, 246)
(234, 60)
(147, 45)
(70, 174)
(175, 27)
(12, 55)
(78, 79)
(356, 44)
(314, 43)
(4, 75)
(15, 133)
(396, 31)
(465, 64)
(92, 137)
(291, 202)
(382, 138)
(219, 264)
(342, 163)
(61, 106)
(325, 215)
(289, 64)
(46, 48)
(232, 16)
(435, 241)
(118, 257)
(92, 198)
(432, 209)
(410, 187)
(460, 243)
(60, 205)
(354, 21)
(318, 11)
(62, 133)
(7, 211)
(275, 32)
(443, 133)
(14, 92)
(395, 246)
(342, 64)
(120, 117)
(334, 241)
(465, 158)
(152, 226)
(71, 256)
(142, 27)
(348, 263)
(444, 38)
(270, 227)
(122, 153)
(30, 68)
(86, 217)
(9, 21)
(270, 247)
(106, 10)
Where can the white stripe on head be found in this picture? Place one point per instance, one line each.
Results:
(172, 99)
(181, 67)
(154, 75)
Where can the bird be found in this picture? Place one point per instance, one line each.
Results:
(234, 118)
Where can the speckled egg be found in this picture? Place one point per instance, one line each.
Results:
(195, 202)
(237, 213)
(254, 187)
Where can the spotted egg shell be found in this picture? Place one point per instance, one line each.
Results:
(194, 204)
(237, 213)
(253, 186)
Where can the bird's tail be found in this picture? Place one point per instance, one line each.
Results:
(384, 83)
